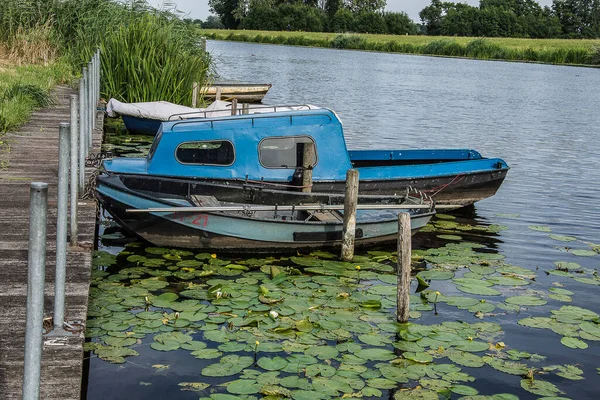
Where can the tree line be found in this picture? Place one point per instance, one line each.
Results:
(492, 18)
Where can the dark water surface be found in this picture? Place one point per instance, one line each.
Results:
(543, 120)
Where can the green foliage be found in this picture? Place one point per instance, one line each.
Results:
(399, 24)
(154, 60)
(147, 55)
(348, 42)
(369, 22)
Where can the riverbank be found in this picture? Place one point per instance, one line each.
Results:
(551, 51)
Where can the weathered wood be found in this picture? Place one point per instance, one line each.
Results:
(308, 157)
(403, 269)
(350, 201)
(233, 106)
(34, 157)
(195, 88)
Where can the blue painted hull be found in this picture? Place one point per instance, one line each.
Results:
(236, 231)
(141, 126)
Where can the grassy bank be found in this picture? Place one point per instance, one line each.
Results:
(554, 51)
(25, 88)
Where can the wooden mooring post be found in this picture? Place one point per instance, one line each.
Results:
(308, 159)
(195, 88)
(350, 200)
(233, 106)
(404, 267)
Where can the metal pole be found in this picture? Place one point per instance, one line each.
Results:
(38, 211)
(61, 229)
(81, 135)
(86, 112)
(74, 169)
(99, 73)
(91, 100)
(404, 267)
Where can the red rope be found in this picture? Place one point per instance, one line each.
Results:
(454, 181)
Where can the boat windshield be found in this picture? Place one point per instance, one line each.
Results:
(155, 144)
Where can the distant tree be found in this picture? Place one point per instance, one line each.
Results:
(399, 23)
(213, 22)
(460, 20)
(342, 21)
(301, 17)
(432, 17)
(369, 22)
(262, 17)
(226, 9)
(332, 6)
(358, 6)
(578, 18)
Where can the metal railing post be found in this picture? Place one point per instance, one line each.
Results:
(81, 134)
(92, 108)
(61, 229)
(38, 211)
(99, 73)
(86, 110)
(74, 168)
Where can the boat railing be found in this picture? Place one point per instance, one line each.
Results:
(240, 111)
(212, 120)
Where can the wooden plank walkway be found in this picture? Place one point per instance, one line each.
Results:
(33, 156)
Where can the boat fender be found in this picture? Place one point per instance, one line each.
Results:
(297, 179)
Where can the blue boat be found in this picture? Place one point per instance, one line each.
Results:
(205, 222)
(277, 150)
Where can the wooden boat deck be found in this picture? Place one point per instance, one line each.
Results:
(33, 156)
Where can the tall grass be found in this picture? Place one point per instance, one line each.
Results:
(146, 54)
(554, 51)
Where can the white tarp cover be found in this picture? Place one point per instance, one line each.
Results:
(165, 111)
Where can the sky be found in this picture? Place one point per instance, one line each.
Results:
(198, 9)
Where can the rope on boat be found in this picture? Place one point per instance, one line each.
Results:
(454, 181)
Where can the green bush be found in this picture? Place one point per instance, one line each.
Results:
(347, 41)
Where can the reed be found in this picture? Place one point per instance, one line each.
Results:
(146, 55)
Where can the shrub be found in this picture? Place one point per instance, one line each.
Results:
(346, 41)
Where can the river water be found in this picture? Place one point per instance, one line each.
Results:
(542, 119)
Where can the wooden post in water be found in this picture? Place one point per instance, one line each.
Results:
(233, 106)
(308, 159)
(194, 94)
(403, 269)
(218, 94)
(245, 108)
(350, 201)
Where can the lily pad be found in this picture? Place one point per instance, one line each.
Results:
(540, 228)
(525, 301)
(574, 343)
(584, 253)
(272, 364)
(539, 387)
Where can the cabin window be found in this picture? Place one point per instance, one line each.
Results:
(216, 152)
(285, 152)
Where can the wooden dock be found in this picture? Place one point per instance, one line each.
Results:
(33, 156)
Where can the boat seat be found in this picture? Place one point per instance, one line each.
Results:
(205, 201)
(327, 216)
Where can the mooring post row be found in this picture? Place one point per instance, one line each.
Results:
(38, 211)
(350, 201)
(403, 268)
